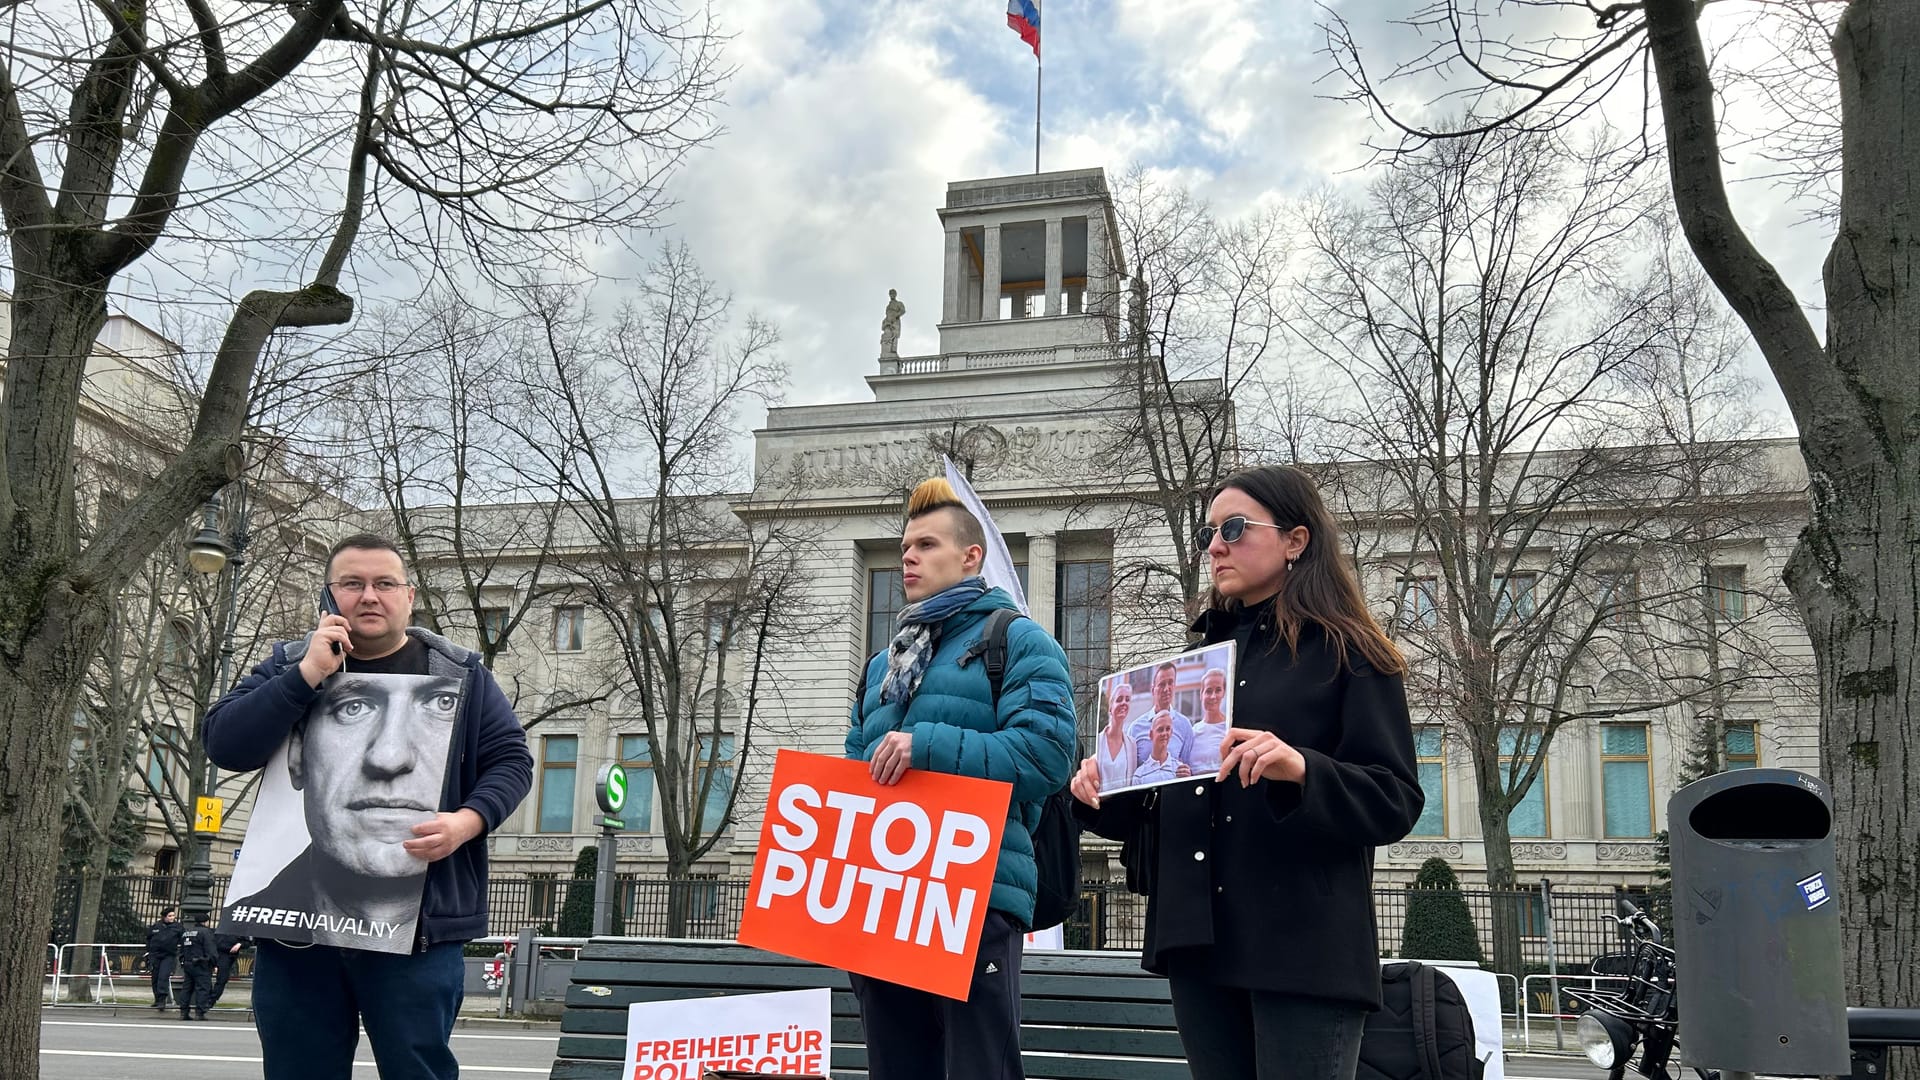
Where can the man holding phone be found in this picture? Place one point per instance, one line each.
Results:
(310, 1002)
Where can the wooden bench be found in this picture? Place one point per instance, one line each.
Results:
(1084, 1015)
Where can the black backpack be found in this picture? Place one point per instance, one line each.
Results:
(1056, 839)
(1423, 1030)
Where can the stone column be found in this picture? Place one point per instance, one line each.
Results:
(955, 258)
(1575, 814)
(1053, 266)
(1099, 272)
(990, 275)
(1043, 556)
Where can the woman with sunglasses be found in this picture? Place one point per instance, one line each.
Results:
(1260, 881)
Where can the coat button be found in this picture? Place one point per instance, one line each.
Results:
(1219, 888)
(1199, 856)
(1229, 817)
(1200, 789)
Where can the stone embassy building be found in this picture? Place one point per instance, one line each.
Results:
(1026, 371)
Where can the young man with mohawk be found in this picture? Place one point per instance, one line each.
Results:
(928, 704)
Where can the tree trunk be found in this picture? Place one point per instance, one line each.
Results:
(38, 691)
(93, 884)
(1856, 576)
(1504, 912)
(1856, 573)
(679, 889)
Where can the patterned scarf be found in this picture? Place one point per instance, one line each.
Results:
(912, 648)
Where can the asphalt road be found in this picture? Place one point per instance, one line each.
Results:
(75, 1046)
(78, 1045)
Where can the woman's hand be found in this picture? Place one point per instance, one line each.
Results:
(1085, 784)
(1260, 755)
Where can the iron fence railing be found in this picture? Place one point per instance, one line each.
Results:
(1573, 925)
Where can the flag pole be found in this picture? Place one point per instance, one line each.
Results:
(1036, 96)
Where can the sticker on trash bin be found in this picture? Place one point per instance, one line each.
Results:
(1815, 890)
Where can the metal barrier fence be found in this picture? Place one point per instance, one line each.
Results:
(1572, 929)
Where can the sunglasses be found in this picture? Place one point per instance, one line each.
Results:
(1230, 530)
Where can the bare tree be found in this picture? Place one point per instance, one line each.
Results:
(432, 427)
(1851, 391)
(634, 423)
(286, 136)
(1474, 303)
(1193, 320)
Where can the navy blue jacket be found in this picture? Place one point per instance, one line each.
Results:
(490, 774)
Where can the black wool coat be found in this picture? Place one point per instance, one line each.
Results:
(1269, 887)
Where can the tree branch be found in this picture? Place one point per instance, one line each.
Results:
(1751, 285)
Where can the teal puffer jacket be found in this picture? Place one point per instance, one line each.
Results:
(1028, 742)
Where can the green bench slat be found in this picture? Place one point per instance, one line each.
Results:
(1085, 1016)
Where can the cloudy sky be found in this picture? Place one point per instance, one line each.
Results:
(846, 120)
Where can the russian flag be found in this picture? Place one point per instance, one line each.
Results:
(1024, 17)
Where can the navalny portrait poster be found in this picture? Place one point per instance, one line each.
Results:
(323, 861)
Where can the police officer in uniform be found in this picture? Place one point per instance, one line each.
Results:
(196, 964)
(163, 941)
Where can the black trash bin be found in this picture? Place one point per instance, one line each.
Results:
(1756, 920)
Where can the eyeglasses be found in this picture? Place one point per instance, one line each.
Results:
(1230, 530)
(383, 586)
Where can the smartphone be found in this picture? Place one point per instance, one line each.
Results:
(328, 607)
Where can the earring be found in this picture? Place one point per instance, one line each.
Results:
(1290, 563)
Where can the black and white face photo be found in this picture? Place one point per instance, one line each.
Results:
(369, 763)
(324, 859)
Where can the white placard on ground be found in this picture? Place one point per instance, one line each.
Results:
(782, 1033)
(1053, 937)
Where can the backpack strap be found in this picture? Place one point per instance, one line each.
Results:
(991, 647)
(1426, 1040)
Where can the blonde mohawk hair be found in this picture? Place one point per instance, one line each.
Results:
(937, 494)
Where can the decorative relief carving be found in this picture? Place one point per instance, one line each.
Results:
(1625, 852)
(1022, 452)
(1425, 850)
(639, 845)
(1540, 852)
(546, 843)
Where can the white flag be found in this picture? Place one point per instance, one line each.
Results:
(997, 567)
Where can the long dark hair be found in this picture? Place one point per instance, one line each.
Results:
(1321, 586)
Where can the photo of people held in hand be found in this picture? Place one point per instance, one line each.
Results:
(1165, 720)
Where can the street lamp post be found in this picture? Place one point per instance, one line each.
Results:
(209, 553)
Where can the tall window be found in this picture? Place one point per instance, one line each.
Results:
(1618, 596)
(703, 897)
(1727, 591)
(1082, 619)
(1529, 816)
(543, 896)
(176, 645)
(165, 862)
(1743, 750)
(1430, 750)
(569, 628)
(634, 754)
(1626, 781)
(886, 595)
(714, 809)
(559, 756)
(719, 624)
(647, 619)
(493, 624)
(1513, 596)
(1530, 911)
(1419, 602)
